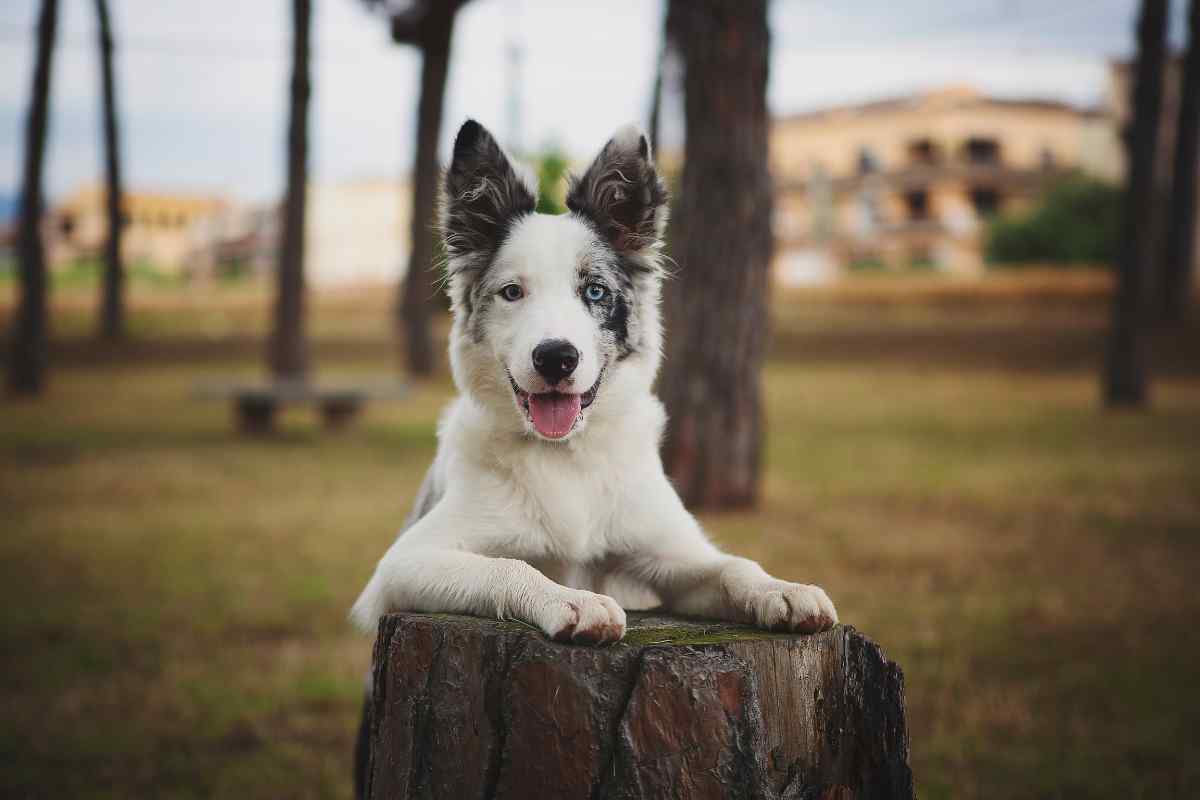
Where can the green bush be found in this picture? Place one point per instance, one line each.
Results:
(1076, 222)
(552, 168)
(867, 264)
(87, 272)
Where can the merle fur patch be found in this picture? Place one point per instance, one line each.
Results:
(621, 195)
(484, 197)
(616, 312)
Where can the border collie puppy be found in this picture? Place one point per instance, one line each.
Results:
(547, 500)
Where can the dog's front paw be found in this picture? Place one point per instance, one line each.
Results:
(783, 606)
(583, 618)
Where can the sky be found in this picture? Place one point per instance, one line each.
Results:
(203, 85)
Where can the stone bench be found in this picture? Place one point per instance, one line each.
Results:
(256, 404)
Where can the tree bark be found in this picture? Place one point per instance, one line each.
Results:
(1176, 289)
(288, 354)
(717, 306)
(654, 124)
(112, 307)
(418, 289)
(27, 365)
(467, 707)
(1125, 375)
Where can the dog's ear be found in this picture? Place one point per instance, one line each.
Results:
(484, 194)
(622, 195)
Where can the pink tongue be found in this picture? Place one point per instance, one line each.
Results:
(554, 414)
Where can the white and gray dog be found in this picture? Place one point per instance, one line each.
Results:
(547, 500)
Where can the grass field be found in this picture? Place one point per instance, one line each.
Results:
(172, 597)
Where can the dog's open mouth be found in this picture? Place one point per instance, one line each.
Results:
(554, 414)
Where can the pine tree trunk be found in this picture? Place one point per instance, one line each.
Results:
(467, 707)
(112, 307)
(27, 364)
(288, 355)
(1125, 376)
(418, 291)
(721, 238)
(1176, 291)
(654, 126)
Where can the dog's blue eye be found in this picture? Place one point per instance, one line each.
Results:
(512, 292)
(594, 292)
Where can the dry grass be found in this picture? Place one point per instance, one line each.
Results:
(173, 597)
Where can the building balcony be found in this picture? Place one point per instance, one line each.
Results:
(914, 176)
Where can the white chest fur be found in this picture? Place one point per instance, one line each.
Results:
(566, 503)
(553, 503)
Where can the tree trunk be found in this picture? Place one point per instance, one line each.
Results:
(112, 307)
(1125, 377)
(418, 290)
(27, 365)
(467, 707)
(1176, 291)
(717, 307)
(288, 349)
(654, 126)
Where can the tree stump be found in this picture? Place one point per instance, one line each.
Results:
(475, 708)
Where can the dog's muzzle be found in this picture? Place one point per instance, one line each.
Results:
(554, 414)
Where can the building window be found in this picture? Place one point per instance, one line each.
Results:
(917, 203)
(868, 161)
(980, 150)
(923, 151)
(1048, 160)
(986, 201)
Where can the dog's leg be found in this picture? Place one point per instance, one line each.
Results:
(672, 555)
(737, 589)
(431, 568)
(450, 581)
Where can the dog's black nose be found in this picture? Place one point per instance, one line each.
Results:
(555, 359)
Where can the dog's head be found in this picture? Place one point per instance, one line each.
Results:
(555, 317)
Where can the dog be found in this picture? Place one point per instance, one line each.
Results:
(547, 501)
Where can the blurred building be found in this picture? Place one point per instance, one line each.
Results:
(158, 226)
(239, 241)
(910, 181)
(356, 232)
